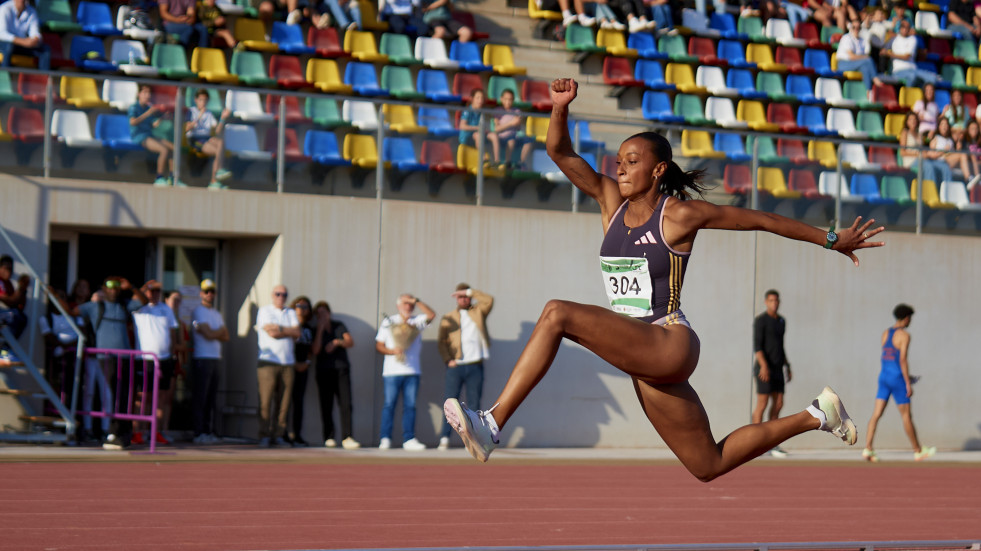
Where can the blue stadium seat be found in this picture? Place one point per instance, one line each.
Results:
(652, 75)
(433, 83)
(645, 45)
(89, 54)
(469, 56)
(812, 117)
(819, 60)
(656, 106)
(321, 146)
(113, 130)
(586, 140)
(402, 155)
(734, 52)
(290, 39)
(437, 120)
(867, 187)
(544, 165)
(742, 81)
(362, 78)
(802, 87)
(726, 25)
(732, 145)
(96, 19)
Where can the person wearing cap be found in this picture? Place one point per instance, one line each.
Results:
(464, 345)
(208, 331)
(278, 328)
(156, 332)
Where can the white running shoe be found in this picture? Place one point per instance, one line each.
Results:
(870, 455)
(778, 452)
(444, 443)
(636, 25)
(473, 427)
(586, 21)
(294, 17)
(350, 443)
(617, 26)
(925, 452)
(385, 443)
(413, 445)
(838, 422)
(570, 19)
(330, 443)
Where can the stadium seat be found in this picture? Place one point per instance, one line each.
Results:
(88, 54)
(732, 146)
(801, 87)
(467, 55)
(765, 148)
(617, 72)
(360, 114)
(741, 80)
(841, 121)
(124, 24)
(867, 187)
(762, 56)
(500, 58)
(321, 147)
(831, 34)
(931, 197)
(822, 153)
(897, 189)
(294, 115)
(894, 124)
(812, 118)
(58, 58)
(909, 95)
(725, 23)
(241, 141)
(780, 31)
(56, 16)
(398, 81)
(650, 73)
(25, 124)
(288, 73)
(324, 75)
(215, 104)
(72, 129)
(95, 18)
(437, 120)
(782, 114)
(119, 94)
(467, 158)
(698, 143)
(400, 119)
(251, 35)
(870, 122)
(236, 7)
(323, 112)
(829, 89)
(820, 62)
(586, 140)
(791, 59)
(802, 181)
(369, 16)
(398, 48)
(721, 111)
(694, 21)
(535, 12)
(250, 68)
(644, 43)
(363, 80)
(809, 33)
(291, 146)
(676, 48)
(432, 52)
(438, 156)
(326, 42)
(733, 52)
(401, 155)
(704, 48)
(885, 157)
(752, 112)
(581, 40)
(246, 106)
(773, 84)
(113, 131)
(164, 97)
(682, 76)
(737, 179)
(954, 74)
(7, 88)
(289, 39)
(535, 94)
(826, 185)
(713, 80)
(131, 58)
(171, 62)
(691, 108)
(853, 156)
(360, 45)
(793, 150)
(955, 193)
(361, 150)
(497, 84)
(929, 23)
(772, 181)
(536, 128)
(81, 92)
(432, 83)
(965, 50)
(614, 43)
(886, 95)
(656, 106)
(856, 91)
(209, 64)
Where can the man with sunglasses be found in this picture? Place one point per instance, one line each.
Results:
(209, 331)
(278, 328)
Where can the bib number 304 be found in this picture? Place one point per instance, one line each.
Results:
(628, 285)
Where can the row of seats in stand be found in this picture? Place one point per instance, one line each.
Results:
(790, 151)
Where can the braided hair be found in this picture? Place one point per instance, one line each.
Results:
(675, 182)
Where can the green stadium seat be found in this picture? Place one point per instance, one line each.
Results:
(767, 149)
(398, 49)
(772, 84)
(171, 61)
(896, 188)
(676, 48)
(581, 39)
(690, 107)
(56, 16)
(398, 81)
(323, 112)
(250, 68)
(7, 92)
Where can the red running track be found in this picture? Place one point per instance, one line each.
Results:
(242, 505)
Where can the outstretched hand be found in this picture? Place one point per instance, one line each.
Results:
(857, 237)
(563, 91)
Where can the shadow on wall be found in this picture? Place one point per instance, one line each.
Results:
(973, 443)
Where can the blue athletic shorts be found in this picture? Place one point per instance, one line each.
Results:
(893, 384)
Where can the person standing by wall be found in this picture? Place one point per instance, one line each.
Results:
(333, 375)
(277, 328)
(770, 359)
(209, 331)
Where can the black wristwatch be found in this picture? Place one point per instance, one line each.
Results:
(832, 237)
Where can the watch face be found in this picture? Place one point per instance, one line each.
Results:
(832, 236)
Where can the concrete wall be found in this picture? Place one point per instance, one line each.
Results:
(359, 259)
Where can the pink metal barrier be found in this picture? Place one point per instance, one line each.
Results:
(131, 367)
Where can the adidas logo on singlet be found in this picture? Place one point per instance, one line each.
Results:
(646, 239)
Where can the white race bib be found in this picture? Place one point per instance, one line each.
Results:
(628, 285)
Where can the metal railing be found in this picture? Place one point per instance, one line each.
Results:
(131, 366)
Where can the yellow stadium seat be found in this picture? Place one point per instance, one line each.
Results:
(500, 58)
(369, 16)
(894, 123)
(751, 111)
(850, 75)
(361, 150)
(931, 197)
(466, 158)
(361, 45)
(81, 92)
(401, 119)
(909, 95)
(822, 152)
(326, 77)
(762, 56)
(698, 143)
(973, 77)
(4, 137)
(210, 65)
(615, 43)
(535, 12)
(251, 34)
(771, 180)
(537, 128)
(681, 75)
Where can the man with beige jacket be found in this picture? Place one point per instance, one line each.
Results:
(464, 345)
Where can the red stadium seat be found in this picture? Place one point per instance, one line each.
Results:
(536, 92)
(783, 115)
(291, 150)
(737, 179)
(802, 180)
(287, 72)
(617, 72)
(791, 57)
(326, 41)
(440, 157)
(294, 114)
(26, 124)
(465, 83)
(704, 49)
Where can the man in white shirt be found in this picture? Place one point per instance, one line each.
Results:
(399, 339)
(853, 54)
(903, 54)
(208, 331)
(20, 33)
(464, 345)
(277, 327)
(156, 332)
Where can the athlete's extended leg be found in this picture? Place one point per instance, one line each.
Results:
(907, 415)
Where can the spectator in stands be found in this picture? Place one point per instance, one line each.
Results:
(209, 331)
(603, 15)
(943, 142)
(61, 342)
(267, 9)
(401, 14)
(156, 332)
(899, 14)
(506, 126)
(438, 16)
(764, 9)
(956, 112)
(933, 165)
(399, 339)
(568, 16)
(277, 328)
(301, 349)
(330, 344)
(853, 54)
(962, 17)
(661, 16)
(470, 126)
(12, 301)
(796, 13)
(877, 27)
(213, 20)
(972, 142)
(926, 108)
(20, 33)
(143, 118)
(902, 50)
(204, 136)
(180, 18)
(347, 13)
(635, 13)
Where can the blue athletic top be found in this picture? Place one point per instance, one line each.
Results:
(890, 355)
(664, 265)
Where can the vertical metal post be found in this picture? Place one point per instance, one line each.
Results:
(754, 193)
(46, 153)
(32, 314)
(919, 191)
(576, 145)
(178, 131)
(380, 166)
(838, 186)
(481, 151)
(281, 145)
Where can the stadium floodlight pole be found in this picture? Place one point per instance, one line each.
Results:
(919, 191)
(754, 194)
(46, 154)
(178, 131)
(481, 150)
(281, 145)
(838, 186)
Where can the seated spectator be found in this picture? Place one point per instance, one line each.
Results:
(213, 20)
(12, 300)
(568, 16)
(956, 112)
(899, 14)
(347, 13)
(972, 143)
(933, 165)
(853, 55)
(926, 108)
(401, 14)
(902, 50)
(764, 9)
(438, 16)
(796, 13)
(180, 18)
(943, 142)
(635, 13)
(506, 127)
(204, 136)
(877, 27)
(661, 16)
(143, 118)
(470, 126)
(962, 17)
(20, 33)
